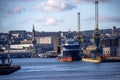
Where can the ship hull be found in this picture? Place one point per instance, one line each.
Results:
(8, 69)
(67, 59)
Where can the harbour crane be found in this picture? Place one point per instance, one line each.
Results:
(96, 34)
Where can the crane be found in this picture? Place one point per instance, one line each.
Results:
(96, 34)
(78, 37)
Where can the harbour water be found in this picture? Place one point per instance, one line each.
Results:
(51, 69)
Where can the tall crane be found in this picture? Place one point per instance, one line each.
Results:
(78, 37)
(96, 34)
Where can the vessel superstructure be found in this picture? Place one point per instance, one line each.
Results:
(70, 51)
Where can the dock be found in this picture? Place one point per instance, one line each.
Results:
(91, 60)
(108, 59)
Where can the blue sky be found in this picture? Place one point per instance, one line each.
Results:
(57, 15)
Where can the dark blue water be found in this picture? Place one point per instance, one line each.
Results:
(51, 69)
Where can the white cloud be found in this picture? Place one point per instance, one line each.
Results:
(16, 9)
(53, 5)
(75, 1)
(50, 21)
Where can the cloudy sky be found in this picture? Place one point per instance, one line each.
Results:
(57, 15)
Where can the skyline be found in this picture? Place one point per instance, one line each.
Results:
(57, 15)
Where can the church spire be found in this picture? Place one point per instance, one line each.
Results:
(33, 31)
(34, 42)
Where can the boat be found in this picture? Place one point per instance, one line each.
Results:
(6, 66)
(8, 69)
(70, 51)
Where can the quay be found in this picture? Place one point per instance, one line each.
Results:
(16, 54)
(91, 60)
(108, 59)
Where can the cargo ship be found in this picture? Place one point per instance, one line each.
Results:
(69, 51)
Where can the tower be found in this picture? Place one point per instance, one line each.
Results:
(33, 32)
(34, 42)
(33, 35)
(78, 37)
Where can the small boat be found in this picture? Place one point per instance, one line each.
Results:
(70, 51)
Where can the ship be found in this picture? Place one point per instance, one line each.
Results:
(69, 51)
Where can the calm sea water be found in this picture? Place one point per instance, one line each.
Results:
(51, 69)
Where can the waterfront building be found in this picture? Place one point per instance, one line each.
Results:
(118, 49)
(4, 41)
(85, 42)
(110, 46)
(56, 43)
(114, 31)
(89, 49)
(21, 47)
(3, 35)
(18, 34)
(109, 51)
(26, 41)
(47, 42)
(3, 38)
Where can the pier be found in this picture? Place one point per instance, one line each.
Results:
(16, 54)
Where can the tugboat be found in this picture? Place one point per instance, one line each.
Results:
(70, 51)
(5, 58)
